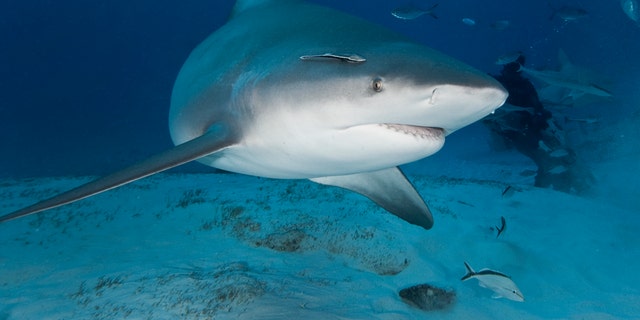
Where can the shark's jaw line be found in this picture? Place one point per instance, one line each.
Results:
(357, 148)
(430, 133)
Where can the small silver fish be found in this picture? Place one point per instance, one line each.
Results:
(411, 12)
(500, 24)
(500, 283)
(568, 13)
(469, 21)
(508, 57)
(559, 169)
(630, 8)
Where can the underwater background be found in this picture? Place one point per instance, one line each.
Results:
(87, 85)
(85, 90)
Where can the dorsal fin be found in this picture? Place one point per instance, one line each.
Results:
(243, 5)
(563, 59)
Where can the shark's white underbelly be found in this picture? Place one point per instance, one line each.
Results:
(338, 152)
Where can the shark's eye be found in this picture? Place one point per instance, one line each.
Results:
(376, 85)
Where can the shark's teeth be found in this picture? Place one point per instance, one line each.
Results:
(416, 131)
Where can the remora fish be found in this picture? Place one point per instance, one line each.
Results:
(500, 283)
(336, 100)
(411, 12)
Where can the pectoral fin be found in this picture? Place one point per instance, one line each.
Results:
(183, 153)
(390, 189)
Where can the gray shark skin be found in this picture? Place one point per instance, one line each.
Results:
(631, 9)
(292, 90)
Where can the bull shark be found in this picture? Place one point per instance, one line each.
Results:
(577, 80)
(412, 12)
(291, 90)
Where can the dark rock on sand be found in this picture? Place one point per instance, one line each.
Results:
(428, 297)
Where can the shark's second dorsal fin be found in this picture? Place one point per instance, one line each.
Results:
(183, 153)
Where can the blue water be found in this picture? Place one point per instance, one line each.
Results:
(85, 86)
(85, 90)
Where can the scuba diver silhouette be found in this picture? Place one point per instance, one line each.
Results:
(525, 124)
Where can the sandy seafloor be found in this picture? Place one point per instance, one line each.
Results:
(201, 246)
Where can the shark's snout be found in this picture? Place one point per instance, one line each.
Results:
(453, 106)
(496, 93)
(495, 96)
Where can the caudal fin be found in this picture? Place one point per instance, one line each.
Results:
(470, 272)
(430, 10)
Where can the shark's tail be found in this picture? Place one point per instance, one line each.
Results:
(470, 272)
(553, 9)
(430, 10)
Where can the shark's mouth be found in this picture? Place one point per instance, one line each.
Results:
(431, 133)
